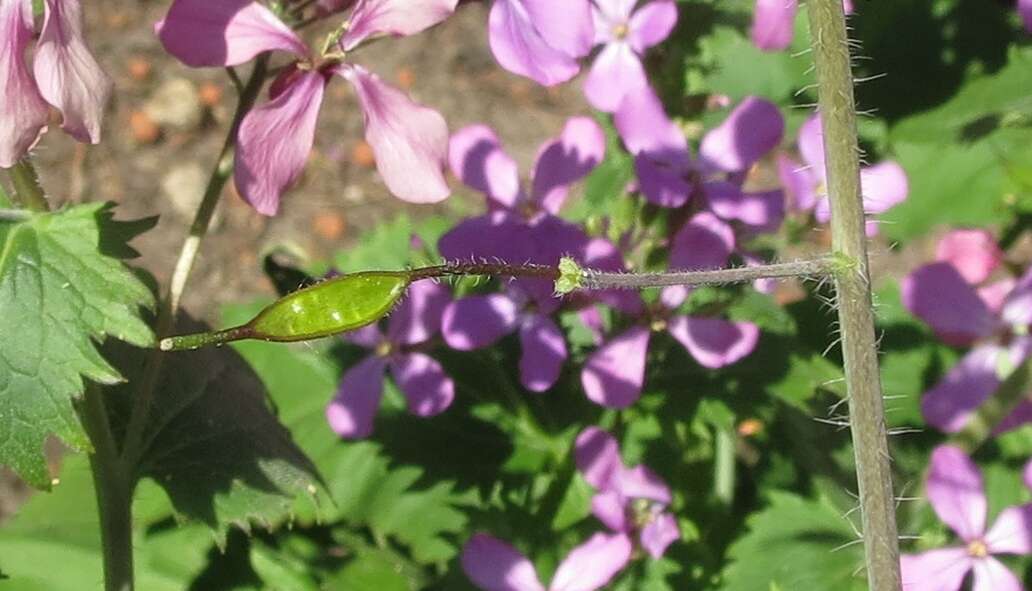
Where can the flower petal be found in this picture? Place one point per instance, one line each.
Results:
(418, 316)
(949, 405)
(715, 342)
(592, 564)
(1025, 10)
(762, 212)
(662, 184)
(883, 186)
(1020, 416)
(644, 127)
(351, 411)
(497, 235)
(992, 575)
(973, 253)
(937, 294)
(566, 26)
(1011, 533)
(797, 183)
(614, 374)
(494, 565)
(1017, 310)
(753, 128)
(610, 507)
(476, 157)
(651, 24)
(641, 483)
(203, 33)
(616, 71)
(68, 76)
(811, 145)
(936, 570)
(410, 141)
(565, 160)
(659, 533)
(22, 109)
(773, 24)
(956, 492)
(274, 141)
(544, 351)
(393, 17)
(368, 337)
(704, 242)
(597, 456)
(423, 382)
(520, 48)
(478, 321)
(1028, 474)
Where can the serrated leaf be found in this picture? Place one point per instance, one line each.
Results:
(805, 375)
(215, 446)
(740, 69)
(795, 543)
(278, 571)
(368, 489)
(63, 525)
(62, 286)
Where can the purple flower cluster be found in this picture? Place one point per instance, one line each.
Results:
(957, 299)
(629, 501)
(957, 494)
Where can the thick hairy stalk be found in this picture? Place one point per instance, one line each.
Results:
(852, 281)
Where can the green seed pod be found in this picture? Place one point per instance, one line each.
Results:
(333, 306)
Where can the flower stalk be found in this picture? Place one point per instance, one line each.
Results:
(27, 190)
(856, 317)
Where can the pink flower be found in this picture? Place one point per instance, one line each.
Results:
(409, 140)
(65, 75)
(883, 185)
(624, 35)
(541, 39)
(494, 565)
(774, 23)
(993, 317)
(956, 493)
(1025, 10)
(662, 159)
(630, 501)
(428, 390)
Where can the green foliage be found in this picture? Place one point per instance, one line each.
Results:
(62, 286)
(796, 543)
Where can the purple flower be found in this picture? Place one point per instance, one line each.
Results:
(494, 565)
(614, 374)
(1025, 10)
(1028, 474)
(541, 39)
(408, 139)
(774, 23)
(662, 159)
(956, 493)
(519, 227)
(994, 317)
(625, 35)
(65, 75)
(629, 500)
(883, 185)
(421, 379)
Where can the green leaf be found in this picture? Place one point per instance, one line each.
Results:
(216, 448)
(806, 375)
(64, 524)
(5, 199)
(278, 571)
(795, 543)
(740, 69)
(368, 489)
(388, 246)
(62, 286)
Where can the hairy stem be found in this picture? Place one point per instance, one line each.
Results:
(856, 317)
(169, 304)
(114, 490)
(27, 190)
(724, 466)
(593, 279)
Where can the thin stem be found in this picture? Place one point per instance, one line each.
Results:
(14, 215)
(27, 190)
(114, 493)
(996, 408)
(856, 318)
(187, 256)
(496, 269)
(593, 279)
(724, 466)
